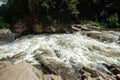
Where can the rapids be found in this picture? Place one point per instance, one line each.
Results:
(67, 49)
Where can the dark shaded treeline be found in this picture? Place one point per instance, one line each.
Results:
(106, 12)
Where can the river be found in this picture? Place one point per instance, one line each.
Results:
(67, 49)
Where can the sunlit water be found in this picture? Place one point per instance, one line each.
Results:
(62, 48)
(3, 2)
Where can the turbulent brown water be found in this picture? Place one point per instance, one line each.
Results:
(62, 49)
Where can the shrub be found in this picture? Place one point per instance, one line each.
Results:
(105, 12)
(113, 21)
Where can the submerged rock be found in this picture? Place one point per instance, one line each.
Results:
(4, 39)
(7, 37)
(96, 32)
(102, 36)
(65, 71)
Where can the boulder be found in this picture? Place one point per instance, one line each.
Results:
(4, 31)
(4, 64)
(23, 71)
(27, 26)
(6, 38)
(102, 36)
(20, 71)
(51, 77)
(115, 69)
(90, 74)
(96, 32)
(85, 27)
(59, 68)
(21, 27)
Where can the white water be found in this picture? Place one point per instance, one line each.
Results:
(62, 48)
(3, 2)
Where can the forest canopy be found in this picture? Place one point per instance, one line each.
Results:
(104, 12)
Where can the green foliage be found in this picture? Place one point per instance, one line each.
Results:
(72, 7)
(97, 24)
(96, 1)
(113, 21)
(3, 24)
(105, 12)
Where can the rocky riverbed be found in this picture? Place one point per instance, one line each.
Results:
(82, 55)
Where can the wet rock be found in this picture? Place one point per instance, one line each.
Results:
(21, 27)
(96, 32)
(37, 28)
(115, 66)
(118, 76)
(27, 26)
(78, 27)
(90, 74)
(102, 36)
(93, 27)
(86, 27)
(51, 77)
(115, 69)
(6, 38)
(66, 72)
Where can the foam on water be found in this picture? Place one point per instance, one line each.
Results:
(3, 2)
(62, 48)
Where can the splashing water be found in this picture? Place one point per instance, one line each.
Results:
(3, 2)
(62, 48)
